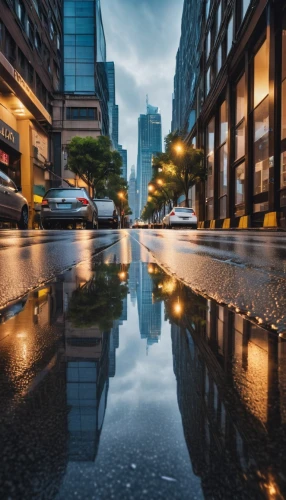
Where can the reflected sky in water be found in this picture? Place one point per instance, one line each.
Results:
(118, 382)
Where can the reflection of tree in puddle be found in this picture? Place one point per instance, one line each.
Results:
(99, 301)
(180, 302)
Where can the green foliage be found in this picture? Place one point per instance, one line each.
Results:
(98, 302)
(93, 160)
(179, 171)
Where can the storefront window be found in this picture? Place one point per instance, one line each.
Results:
(239, 119)
(283, 122)
(261, 74)
(240, 190)
(261, 120)
(223, 159)
(210, 170)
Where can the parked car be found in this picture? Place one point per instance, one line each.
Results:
(180, 216)
(140, 224)
(63, 206)
(13, 205)
(107, 212)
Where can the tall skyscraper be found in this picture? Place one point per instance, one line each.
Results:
(123, 154)
(132, 192)
(112, 106)
(149, 143)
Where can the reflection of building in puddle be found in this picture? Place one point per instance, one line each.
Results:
(90, 356)
(149, 312)
(231, 388)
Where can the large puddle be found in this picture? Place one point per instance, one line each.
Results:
(116, 381)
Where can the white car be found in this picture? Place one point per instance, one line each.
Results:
(180, 216)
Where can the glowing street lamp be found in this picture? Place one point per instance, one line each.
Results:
(179, 148)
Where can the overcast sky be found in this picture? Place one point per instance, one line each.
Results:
(142, 38)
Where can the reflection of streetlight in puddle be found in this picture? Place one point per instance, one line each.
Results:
(21, 335)
(178, 307)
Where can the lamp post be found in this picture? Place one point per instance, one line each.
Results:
(121, 196)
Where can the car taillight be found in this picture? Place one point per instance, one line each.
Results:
(45, 203)
(194, 213)
(172, 213)
(83, 201)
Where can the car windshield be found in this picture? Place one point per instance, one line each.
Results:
(65, 193)
(184, 210)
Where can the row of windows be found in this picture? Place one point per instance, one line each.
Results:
(256, 103)
(21, 63)
(81, 114)
(30, 27)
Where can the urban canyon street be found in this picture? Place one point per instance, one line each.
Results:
(142, 364)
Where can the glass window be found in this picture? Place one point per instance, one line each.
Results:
(239, 118)
(21, 12)
(85, 53)
(84, 9)
(69, 69)
(229, 35)
(84, 25)
(283, 120)
(240, 190)
(69, 83)
(223, 169)
(69, 40)
(245, 5)
(69, 9)
(208, 81)
(208, 44)
(84, 40)
(218, 59)
(210, 169)
(261, 74)
(207, 8)
(69, 53)
(223, 123)
(85, 84)
(218, 16)
(85, 69)
(69, 25)
(261, 147)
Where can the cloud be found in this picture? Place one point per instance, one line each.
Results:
(142, 38)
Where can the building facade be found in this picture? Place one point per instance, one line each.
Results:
(112, 106)
(132, 193)
(236, 109)
(30, 61)
(123, 154)
(149, 143)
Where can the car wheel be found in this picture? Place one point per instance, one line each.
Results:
(23, 222)
(91, 224)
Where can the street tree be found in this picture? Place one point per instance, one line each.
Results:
(93, 160)
(181, 166)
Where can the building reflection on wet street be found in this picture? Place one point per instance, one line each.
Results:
(116, 381)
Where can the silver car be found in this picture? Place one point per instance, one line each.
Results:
(13, 205)
(68, 206)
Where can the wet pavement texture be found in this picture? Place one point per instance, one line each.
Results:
(117, 381)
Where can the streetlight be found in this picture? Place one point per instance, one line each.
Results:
(121, 197)
(179, 148)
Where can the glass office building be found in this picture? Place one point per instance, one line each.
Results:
(85, 53)
(149, 143)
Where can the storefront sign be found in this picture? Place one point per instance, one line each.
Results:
(4, 158)
(22, 82)
(9, 135)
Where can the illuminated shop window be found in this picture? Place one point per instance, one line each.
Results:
(240, 190)
(261, 120)
(283, 121)
(210, 170)
(223, 160)
(240, 119)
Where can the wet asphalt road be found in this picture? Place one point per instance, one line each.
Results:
(117, 381)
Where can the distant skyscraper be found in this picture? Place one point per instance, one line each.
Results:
(149, 312)
(123, 154)
(149, 143)
(132, 192)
